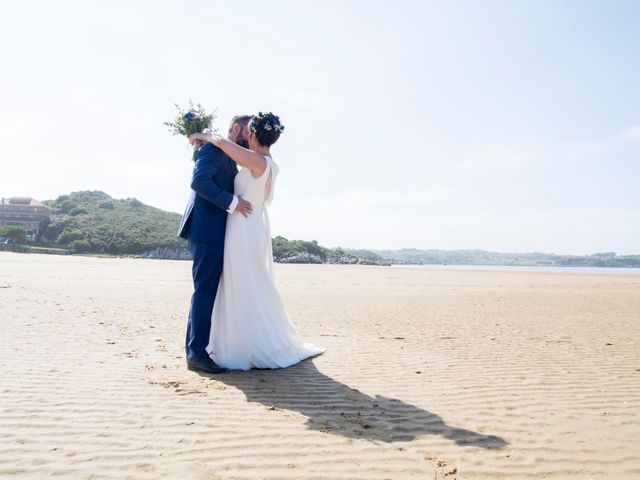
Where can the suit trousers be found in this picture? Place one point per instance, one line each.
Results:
(206, 271)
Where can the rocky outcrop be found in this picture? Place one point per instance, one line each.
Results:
(300, 258)
(166, 253)
(349, 260)
(336, 260)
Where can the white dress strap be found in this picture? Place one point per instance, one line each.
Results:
(268, 197)
(271, 179)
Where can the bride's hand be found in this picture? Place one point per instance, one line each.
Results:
(203, 138)
(198, 138)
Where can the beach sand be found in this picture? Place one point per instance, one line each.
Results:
(429, 373)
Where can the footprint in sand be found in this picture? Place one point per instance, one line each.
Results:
(179, 388)
(444, 469)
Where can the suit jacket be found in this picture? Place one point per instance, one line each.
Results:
(205, 217)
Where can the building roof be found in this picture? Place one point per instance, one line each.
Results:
(28, 201)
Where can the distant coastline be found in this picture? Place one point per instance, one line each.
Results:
(347, 259)
(525, 268)
(487, 258)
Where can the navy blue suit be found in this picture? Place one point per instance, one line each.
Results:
(203, 225)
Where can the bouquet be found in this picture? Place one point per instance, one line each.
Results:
(194, 120)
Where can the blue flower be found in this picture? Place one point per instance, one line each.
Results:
(189, 116)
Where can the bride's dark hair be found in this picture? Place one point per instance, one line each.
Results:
(267, 128)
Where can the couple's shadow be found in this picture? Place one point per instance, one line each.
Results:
(333, 407)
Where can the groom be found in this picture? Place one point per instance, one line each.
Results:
(203, 225)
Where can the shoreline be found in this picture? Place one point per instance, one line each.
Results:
(487, 267)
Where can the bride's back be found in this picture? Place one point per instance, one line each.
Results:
(257, 191)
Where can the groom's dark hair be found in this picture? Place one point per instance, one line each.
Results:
(243, 120)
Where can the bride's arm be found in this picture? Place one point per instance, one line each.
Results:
(242, 156)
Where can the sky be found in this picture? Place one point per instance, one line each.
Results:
(510, 126)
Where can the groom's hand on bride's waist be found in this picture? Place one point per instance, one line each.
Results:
(243, 207)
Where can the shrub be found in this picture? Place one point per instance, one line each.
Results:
(64, 207)
(14, 233)
(78, 211)
(80, 246)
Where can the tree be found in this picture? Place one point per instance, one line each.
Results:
(81, 246)
(13, 233)
(78, 211)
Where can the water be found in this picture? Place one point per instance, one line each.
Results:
(526, 268)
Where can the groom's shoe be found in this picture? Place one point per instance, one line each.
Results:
(208, 366)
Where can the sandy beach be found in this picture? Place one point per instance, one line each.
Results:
(429, 373)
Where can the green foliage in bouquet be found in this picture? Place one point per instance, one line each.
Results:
(194, 120)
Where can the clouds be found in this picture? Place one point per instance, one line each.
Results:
(581, 148)
(302, 99)
(358, 205)
(10, 127)
(631, 134)
(497, 158)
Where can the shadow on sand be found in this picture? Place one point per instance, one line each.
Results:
(333, 407)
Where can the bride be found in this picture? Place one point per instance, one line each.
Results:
(250, 327)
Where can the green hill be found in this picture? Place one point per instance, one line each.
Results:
(302, 251)
(93, 222)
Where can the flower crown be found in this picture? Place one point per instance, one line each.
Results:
(272, 122)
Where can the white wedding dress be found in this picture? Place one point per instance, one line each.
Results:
(250, 327)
